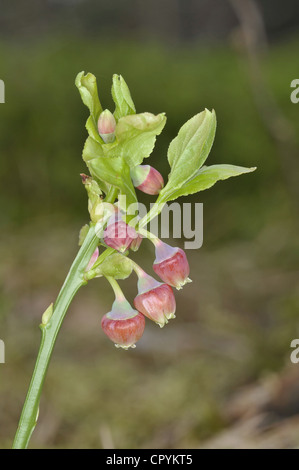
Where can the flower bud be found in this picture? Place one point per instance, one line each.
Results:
(136, 243)
(123, 325)
(155, 300)
(147, 179)
(171, 265)
(106, 126)
(93, 259)
(118, 234)
(102, 212)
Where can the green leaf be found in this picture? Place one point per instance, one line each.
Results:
(114, 171)
(206, 177)
(87, 86)
(122, 98)
(95, 197)
(116, 266)
(93, 190)
(189, 150)
(92, 129)
(136, 136)
(92, 150)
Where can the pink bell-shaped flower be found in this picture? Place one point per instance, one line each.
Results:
(171, 264)
(123, 325)
(118, 234)
(155, 300)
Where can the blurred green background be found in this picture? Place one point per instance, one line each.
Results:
(220, 374)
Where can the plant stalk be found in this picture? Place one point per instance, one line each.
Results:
(50, 328)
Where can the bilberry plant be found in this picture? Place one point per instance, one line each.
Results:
(114, 152)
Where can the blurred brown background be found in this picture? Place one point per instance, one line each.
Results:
(220, 375)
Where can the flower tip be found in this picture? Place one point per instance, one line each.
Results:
(84, 178)
(136, 243)
(186, 281)
(125, 348)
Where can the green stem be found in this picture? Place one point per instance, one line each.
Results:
(150, 236)
(138, 270)
(116, 289)
(50, 328)
(52, 321)
(112, 194)
(155, 210)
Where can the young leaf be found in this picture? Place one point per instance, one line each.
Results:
(87, 86)
(136, 136)
(122, 98)
(47, 315)
(83, 232)
(189, 150)
(92, 149)
(114, 171)
(206, 177)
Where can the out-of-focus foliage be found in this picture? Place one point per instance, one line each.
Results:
(42, 126)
